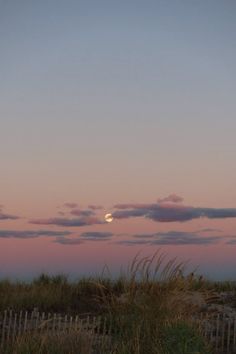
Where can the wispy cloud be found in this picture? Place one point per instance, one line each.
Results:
(209, 230)
(96, 236)
(171, 238)
(69, 241)
(69, 222)
(173, 198)
(71, 205)
(95, 207)
(5, 216)
(170, 212)
(232, 240)
(26, 234)
(79, 212)
(85, 236)
(183, 238)
(133, 242)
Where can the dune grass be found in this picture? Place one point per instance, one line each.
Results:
(139, 306)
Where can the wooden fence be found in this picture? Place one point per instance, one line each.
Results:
(14, 325)
(219, 330)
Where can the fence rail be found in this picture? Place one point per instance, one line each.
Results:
(13, 325)
(219, 330)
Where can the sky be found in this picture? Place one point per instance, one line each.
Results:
(122, 107)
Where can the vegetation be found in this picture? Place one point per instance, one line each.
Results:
(141, 306)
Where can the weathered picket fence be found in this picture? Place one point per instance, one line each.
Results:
(13, 325)
(219, 330)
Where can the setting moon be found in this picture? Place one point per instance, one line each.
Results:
(108, 217)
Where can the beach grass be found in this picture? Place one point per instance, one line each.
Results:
(144, 313)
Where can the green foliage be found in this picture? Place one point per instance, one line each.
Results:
(182, 338)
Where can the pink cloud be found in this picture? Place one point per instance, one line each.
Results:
(173, 198)
(71, 205)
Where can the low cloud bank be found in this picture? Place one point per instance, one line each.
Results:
(171, 238)
(85, 236)
(167, 211)
(26, 234)
(69, 222)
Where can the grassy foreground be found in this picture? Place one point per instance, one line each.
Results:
(147, 315)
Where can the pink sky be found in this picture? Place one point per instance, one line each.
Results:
(25, 258)
(106, 104)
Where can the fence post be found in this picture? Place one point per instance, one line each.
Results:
(223, 333)
(217, 330)
(54, 323)
(19, 322)
(25, 321)
(3, 327)
(9, 326)
(228, 336)
(14, 326)
(234, 332)
(65, 323)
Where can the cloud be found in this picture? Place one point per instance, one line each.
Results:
(96, 236)
(85, 236)
(133, 206)
(69, 241)
(133, 242)
(183, 238)
(67, 222)
(162, 212)
(79, 212)
(209, 230)
(171, 238)
(4, 216)
(26, 234)
(95, 207)
(173, 198)
(232, 241)
(61, 213)
(144, 236)
(71, 205)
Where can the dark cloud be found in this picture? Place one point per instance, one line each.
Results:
(144, 236)
(183, 238)
(133, 242)
(173, 198)
(85, 236)
(79, 212)
(95, 207)
(61, 213)
(171, 238)
(69, 241)
(4, 216)
(133, 206)
(71, 205)
(131, 213)
(231, 241)
(170, 212)
(209, 230)
(96, 236)
(67, 222)
(26, 234)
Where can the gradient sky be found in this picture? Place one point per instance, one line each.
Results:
(116, 102)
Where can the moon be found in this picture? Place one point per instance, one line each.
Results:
(108, 217)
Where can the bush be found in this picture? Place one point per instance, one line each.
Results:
(182, 338)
